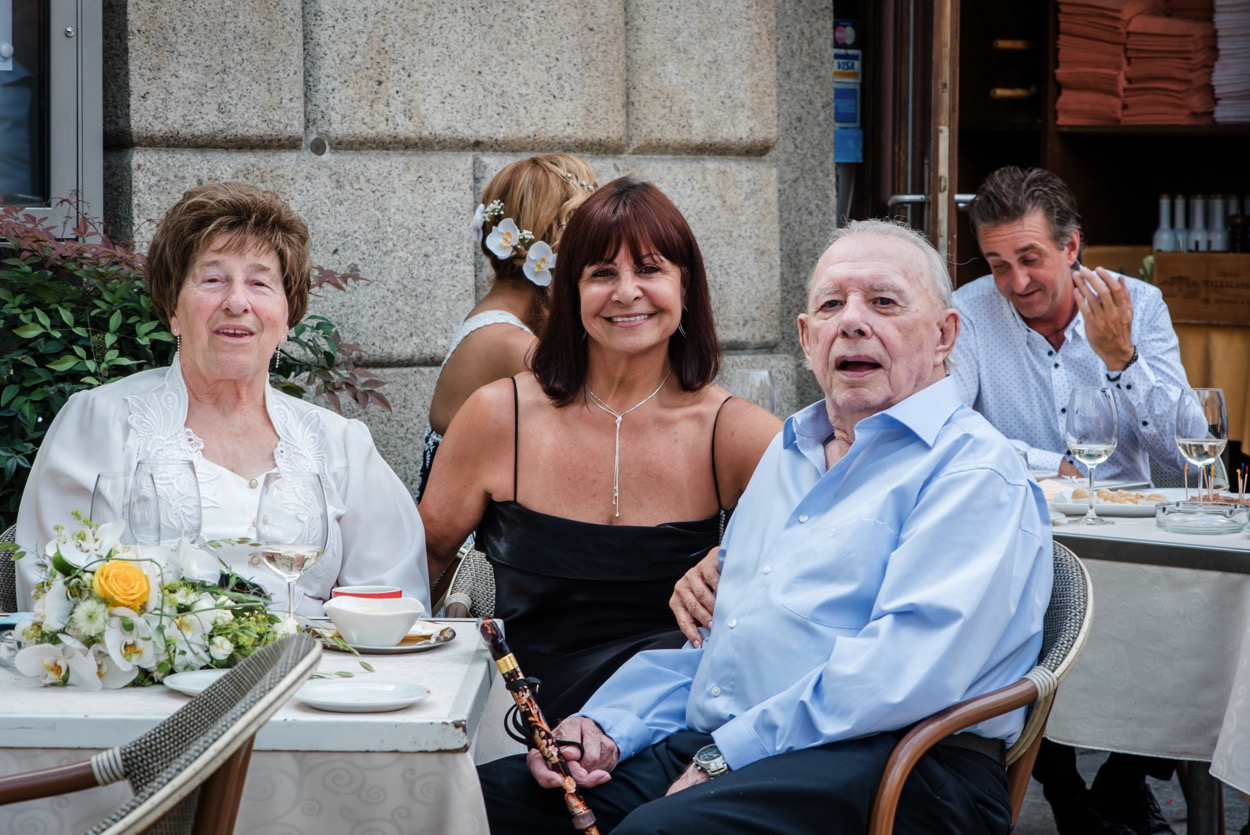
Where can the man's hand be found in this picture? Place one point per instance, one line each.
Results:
(1067, 468)
(694, 597)
(690, 777)
(590, 767)
(1108, 310)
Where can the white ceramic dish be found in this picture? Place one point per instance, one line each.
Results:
(423, 636)
(374, 622)
(360, 696)
(193, 682)
(1065, 504)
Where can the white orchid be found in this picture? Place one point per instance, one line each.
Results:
(111, 674)
(195, 563)
(479, 220)
(128, 639)
(58, 664)
(503, 238)
(539, 263)
(188, 641)
(88, 546)
(57, 605)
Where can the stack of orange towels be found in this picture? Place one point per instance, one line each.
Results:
(1093, 62)
(1170, 60)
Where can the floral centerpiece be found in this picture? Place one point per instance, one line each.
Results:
(109, 615)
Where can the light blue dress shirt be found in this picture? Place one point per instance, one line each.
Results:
(1009, 372)
(913, 574)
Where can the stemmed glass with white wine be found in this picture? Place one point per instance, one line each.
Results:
(1092, 431)
(1201, 430)
(292, 524)
(164, 503)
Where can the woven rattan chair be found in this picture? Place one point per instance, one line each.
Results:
(187, 773)
(8, 575)
(1064, 634)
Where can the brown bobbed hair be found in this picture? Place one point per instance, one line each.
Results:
(539, 194)
(250, 217)
(637, 215)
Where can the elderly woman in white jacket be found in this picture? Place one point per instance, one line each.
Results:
(228, 271)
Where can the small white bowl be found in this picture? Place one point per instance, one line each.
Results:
(374, 622)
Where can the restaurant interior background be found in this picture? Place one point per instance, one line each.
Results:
(934, 96)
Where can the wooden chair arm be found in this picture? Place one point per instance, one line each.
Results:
(61, 779)
(933, 730)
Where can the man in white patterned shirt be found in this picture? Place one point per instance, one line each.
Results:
(1039, 325)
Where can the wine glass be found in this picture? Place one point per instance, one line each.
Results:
(753, 384)
(1201, 430)
(1092, 431)
(111, 497)
(291, 526)
(164, 502)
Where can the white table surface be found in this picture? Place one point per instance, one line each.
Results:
(410, 770)
(1166, 671)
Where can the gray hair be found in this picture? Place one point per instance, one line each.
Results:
(939, 277)
(935, 266)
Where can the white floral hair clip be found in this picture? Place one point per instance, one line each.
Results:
(588, 187)
(504, 239)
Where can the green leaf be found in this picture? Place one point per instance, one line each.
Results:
(8, 393)
(64, 363)
(29, 331)
(115, 321)
(43, 318)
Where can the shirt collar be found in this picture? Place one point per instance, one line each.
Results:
(924, 413)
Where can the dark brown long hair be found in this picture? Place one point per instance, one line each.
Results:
(635, 214)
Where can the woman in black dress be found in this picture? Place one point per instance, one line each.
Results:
(573, 474)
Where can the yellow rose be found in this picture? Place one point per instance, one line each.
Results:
(122, 583)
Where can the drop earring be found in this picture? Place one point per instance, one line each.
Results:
(178, 343)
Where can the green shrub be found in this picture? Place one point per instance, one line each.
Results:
(74, 313)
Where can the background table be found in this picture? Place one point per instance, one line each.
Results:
(1166, 671)
(406, 771)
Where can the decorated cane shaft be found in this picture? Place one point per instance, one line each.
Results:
(544, 739)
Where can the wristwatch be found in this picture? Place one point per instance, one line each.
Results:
(708, 759)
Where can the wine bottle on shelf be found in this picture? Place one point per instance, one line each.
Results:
(1164, 237)
(1197, 234)
(1218, 236)
(1178, 224)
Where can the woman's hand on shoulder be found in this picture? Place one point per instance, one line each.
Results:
(694, 597)
(743, 433)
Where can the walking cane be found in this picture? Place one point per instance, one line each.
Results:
(544, 739)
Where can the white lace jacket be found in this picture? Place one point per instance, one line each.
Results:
(376, 535)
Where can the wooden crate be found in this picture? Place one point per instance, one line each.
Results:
(1125, 260)
(1205, 288)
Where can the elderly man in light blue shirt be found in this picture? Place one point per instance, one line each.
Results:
(888, 559)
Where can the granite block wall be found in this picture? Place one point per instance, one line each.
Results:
(381, 122)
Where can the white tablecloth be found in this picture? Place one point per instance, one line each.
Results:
(1166, 671)
(410, 771)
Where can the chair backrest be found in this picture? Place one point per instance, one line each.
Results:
(1064, 633)
(8, 574)
(168, 765)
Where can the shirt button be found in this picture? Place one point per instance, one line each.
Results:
(1128, 386)
(803, 517)
(1050, 353)
(252, 484)
(1064, 410)
(715, 691)
(732, 623)
(255, 560)
(768, 569)
(1056, 365)
(1145, 423)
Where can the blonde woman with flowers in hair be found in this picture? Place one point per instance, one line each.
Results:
(518, 226)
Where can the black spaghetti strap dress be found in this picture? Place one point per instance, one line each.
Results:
(578, 599)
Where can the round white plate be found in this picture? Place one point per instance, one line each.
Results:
(360, 696)
(194, 682)
(1064, 503)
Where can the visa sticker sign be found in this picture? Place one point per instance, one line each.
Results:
(848, 65)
